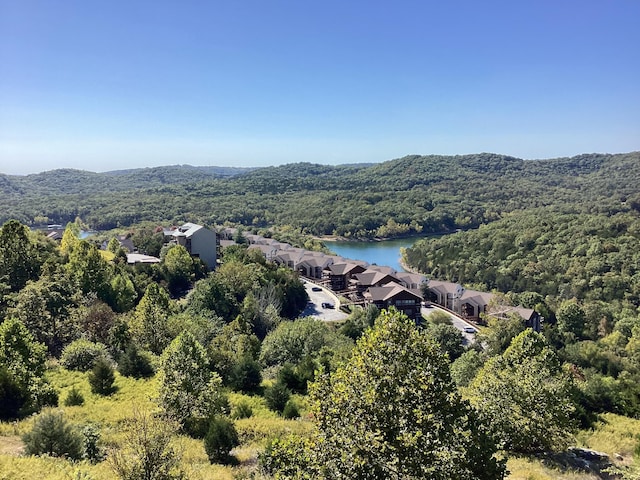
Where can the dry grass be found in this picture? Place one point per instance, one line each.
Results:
(528, 469)
(109, 413)
(614, 435)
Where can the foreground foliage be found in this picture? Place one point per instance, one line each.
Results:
(525, 397)
(148, 452)
(391, 412)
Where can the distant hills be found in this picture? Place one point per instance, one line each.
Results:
(419, 193)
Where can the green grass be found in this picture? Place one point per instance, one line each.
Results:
(109, 413)
(613, 435)
(532, 469)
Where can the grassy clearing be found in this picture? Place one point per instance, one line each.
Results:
(531, 469)
(613, 435)
(109, 413)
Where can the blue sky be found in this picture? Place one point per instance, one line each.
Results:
(123, 84)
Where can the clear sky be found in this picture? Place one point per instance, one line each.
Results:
(103, 85)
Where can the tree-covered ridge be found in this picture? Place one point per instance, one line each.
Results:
(66, 181)
(414, 194)
(566, 255)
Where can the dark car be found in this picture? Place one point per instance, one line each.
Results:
(327, 305)
(316, 289)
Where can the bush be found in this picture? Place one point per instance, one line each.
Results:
(283, 457)
(52, 435)
(147, 450)
(290, 410)
(136, 364)
(245, 375)
(101, 378)
(82, 355)
(220, 440)
(242, 410)
(45, 395)
(74, 398)
(297, 378)
(13, 396)
(92, 450)
(196, 427)
(277, 396)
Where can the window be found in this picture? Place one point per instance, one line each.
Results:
(405, 302)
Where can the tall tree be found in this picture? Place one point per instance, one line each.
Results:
(188, 388)
(149, 324)
(19, 261)
(22, 363)
(90, 271)
(525, 396)
(46, 307)
(179, 266)
(393, 412)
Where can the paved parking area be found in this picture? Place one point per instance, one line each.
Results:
(316, 299)
(469, 337)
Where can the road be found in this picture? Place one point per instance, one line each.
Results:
(316, 299)
(457, 322)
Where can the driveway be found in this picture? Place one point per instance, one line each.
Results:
(316, 299)
(456, 321)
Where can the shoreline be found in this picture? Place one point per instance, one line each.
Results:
(409, 269)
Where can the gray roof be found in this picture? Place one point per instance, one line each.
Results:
(388, 291)
(139, 258)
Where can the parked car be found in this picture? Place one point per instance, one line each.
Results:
(316, 289)
(469, 330)
(327, 305)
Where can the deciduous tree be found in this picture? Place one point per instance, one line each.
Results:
(525, 396)
(393, 412)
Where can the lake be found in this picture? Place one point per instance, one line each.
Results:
(386, 252)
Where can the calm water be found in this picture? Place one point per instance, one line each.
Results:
(385, 253)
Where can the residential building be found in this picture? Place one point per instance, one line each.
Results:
(199, 241)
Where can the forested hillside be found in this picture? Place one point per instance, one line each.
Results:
(413, 194)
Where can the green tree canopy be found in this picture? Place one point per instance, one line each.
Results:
(393, 412)
(149, 324)
(290, 342)
(19, 259)
(525, 396)
(22, 359)
(188, 388)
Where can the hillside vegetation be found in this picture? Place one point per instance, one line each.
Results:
(169, 368)
(414, 194)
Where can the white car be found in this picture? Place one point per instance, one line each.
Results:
(469, 330)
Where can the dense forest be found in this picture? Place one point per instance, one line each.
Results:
(414, 194)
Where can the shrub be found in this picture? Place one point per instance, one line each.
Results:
(52, 435)
(282, 456)
(101, 378)
(290, 410)
(136, 364)
(242, 410)
(147, 451)
(92, 450)
(220, 440)
(12, 395)
(45, 395)
(74, 398)
(245, 375)
(82, 355)
(277, 396)
(196, 427)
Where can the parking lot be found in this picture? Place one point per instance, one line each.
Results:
(317, 297)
